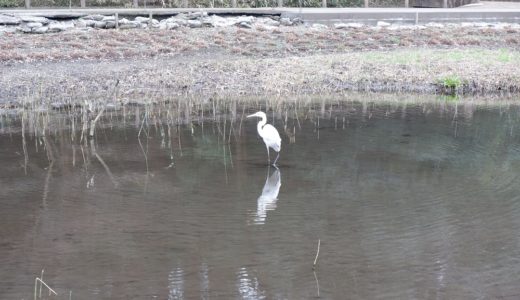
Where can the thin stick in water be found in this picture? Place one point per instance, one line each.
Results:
(38, 280)
(317, 283)
(317, 253)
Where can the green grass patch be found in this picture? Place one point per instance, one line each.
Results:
(451, 82)
(417, 57)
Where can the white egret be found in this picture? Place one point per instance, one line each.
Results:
(269, 134)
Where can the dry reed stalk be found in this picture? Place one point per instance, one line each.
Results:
(317, 253)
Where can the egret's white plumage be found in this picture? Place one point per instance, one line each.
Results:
(269, 134)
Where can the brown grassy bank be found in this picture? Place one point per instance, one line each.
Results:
(261, 61)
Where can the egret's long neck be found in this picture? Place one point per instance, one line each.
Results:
(261, 124)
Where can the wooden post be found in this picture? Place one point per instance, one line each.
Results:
(324, 3)
(280, 3)
(27, 4)
(83, 3)
(117, 20)
(136, 4)
(445, 3)
(149, 20)
(406, 3)
(366, 3)
(234, 3)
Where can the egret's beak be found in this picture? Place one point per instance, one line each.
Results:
(250, 116)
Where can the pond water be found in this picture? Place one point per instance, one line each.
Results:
(409, 200)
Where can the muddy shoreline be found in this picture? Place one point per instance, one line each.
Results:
(282, 61)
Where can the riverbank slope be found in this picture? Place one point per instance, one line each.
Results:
(262, 60)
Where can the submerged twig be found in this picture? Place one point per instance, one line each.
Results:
(102, 162)
(36, 280)
(93, 122)
(317, 253)
(317, 284)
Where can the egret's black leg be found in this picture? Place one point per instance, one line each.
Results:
(268, 158)
(277, 156)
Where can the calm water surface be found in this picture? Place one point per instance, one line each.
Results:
(409, 200)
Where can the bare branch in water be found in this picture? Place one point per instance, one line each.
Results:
(93, 122)
(317, 253)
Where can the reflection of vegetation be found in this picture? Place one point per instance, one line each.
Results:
(450, 97)
(214, 128)
(211, 147)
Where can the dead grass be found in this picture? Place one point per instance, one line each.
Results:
(245, 73)
(261, 61)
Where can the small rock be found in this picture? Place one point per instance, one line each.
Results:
(9, 20)
(217, 21)
(196, 15)
(80, 23)
(268, 22)
(355, 25)
(94, 17)
(141, 19)
(86, 29)
(194, 23)
(434, 25)
(100, 24)
(319, 26)
(347, 25)
(245, 25)
(129, 25)
(484, 24)
(467, 24)
(503, 25)
(171, 26)
(261, 27)
(109, 19)
(286, 22)
(9, 29)
(297, 21)
(90, 23)
(181, 16)
(42, 29)
(383, 24)
(245, 19)
(33, 19)
(110, 24)
(60, 26)
(34, 25)
(24, 29)
(180, 22)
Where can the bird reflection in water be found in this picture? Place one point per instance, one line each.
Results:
(248, 286)
(176, 284)
(269, 197)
